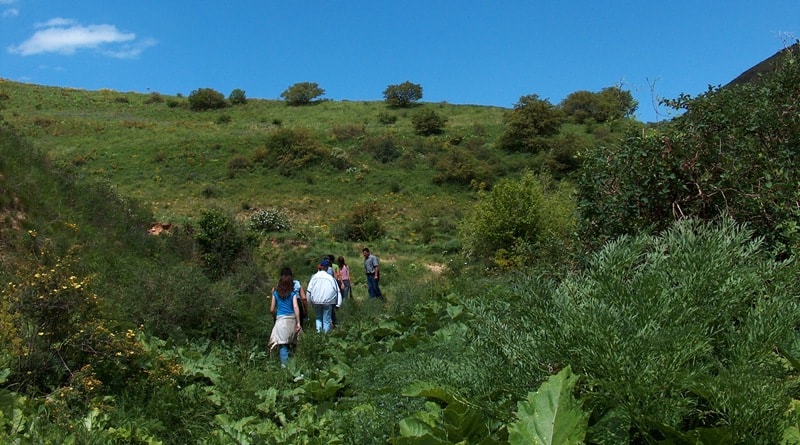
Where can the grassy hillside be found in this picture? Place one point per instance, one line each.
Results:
(111, 335)
(168, 156)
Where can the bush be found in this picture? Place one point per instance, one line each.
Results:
(221, 243)
(47, 309)
(402, 95)
(520, 222)
(428, 123)
(387, 118)
(302, 93)
(361, 224)
(237, 97)
(529, 124)
(609, 104)
(154, 98)
(457, 165)
(732, 152)
(673, 335)
(206, 99)
(236, 164)
(347, 132)
(269, 220)
(291, 149)
(382, 148)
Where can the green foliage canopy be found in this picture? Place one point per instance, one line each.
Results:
(290, 149)
(220, 241)
(237, 97)
(403, 94)
(529, 124)
(733, 151)
(428, 122)
(302, 93)
(362, 223)
(679, 333)
(609, 104)
(519, 221)
(206, 99)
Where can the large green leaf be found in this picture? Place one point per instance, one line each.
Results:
(551, 415)
(455, 423)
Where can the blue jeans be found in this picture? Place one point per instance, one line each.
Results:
(346, 291)
(283, 353)
(323, 312)
(372, 286)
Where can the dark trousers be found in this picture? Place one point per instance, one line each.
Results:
(373, 286)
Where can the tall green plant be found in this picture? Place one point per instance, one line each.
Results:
(677, 332)
(221, 242)
(519, 222)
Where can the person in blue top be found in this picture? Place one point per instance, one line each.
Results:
(303, 301)
(284, 306)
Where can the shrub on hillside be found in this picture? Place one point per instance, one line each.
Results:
(457, 165)
(609, 104)
(361, 224)
(382, 148)
(206, 99)
(402, 95)
(519, 223)
(180, 302)
(269, 220)
(236, 164)
(733, 151)
(291, 149)
(154, 98)
(428, 122)
(302, 93)
(345, 132)
(237, 97)
(220, 241)
(530, 124)
(387, 118)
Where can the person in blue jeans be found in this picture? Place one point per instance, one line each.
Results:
(372, 269)
(323, 293)
(285, 308)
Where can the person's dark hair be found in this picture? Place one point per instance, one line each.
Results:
(285, 286)
(365, 250)
(340, 261)
(330, 258)
(286, 271)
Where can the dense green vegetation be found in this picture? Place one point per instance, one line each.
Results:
(554, 273)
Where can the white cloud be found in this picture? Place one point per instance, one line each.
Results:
(66, 36)
(54, 22)
(130, 51)
(11, 12)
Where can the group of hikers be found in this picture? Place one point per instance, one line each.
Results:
(326, 291)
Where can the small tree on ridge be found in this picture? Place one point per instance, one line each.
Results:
(302, 93)
(402, 95)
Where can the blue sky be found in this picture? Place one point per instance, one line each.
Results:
(461, 52)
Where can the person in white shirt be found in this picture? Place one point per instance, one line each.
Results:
(323, 293)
